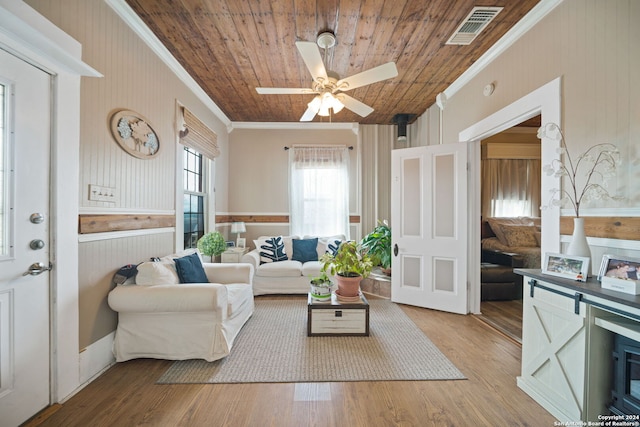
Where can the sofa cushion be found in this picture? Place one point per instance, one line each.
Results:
(305, 250)
(497, 224)
(157, 273)
(189, 297)
(520, 235)
(311, 269)
(190, 270)
(271, 249)
(170, 258)
(280, 269)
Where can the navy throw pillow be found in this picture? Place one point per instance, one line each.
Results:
(305, 250)
(190, 270)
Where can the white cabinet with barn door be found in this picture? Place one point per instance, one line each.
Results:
(568, 333)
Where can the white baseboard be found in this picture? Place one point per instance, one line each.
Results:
(96, 358)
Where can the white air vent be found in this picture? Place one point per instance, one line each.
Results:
(473, 24)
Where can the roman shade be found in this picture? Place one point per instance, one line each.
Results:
(198, 136)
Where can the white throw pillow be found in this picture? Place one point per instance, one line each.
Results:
(324, 242)
(271, 249)
(157, 273)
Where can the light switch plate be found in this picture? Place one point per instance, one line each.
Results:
(99, 193)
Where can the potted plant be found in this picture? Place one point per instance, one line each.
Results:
(377, 245)
(212, 244)
(349, 265)
(321, 287)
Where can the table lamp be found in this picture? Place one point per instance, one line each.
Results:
(237, 228)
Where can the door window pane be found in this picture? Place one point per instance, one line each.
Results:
(4, 176)
(411, 197)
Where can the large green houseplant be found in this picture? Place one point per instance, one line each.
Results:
(349, 265)
(377, 245)
(212, 244)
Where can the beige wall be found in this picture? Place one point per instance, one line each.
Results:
(135, 79)
(592, 46)
(259, 177)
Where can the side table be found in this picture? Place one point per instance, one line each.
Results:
(233, 255)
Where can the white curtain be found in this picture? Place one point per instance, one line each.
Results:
(510, 188)
(319, 191)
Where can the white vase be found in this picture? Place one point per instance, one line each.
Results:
(579, 245)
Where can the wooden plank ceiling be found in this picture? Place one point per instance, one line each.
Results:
(230, 47)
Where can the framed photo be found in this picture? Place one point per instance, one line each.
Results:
(619, 267)
(567, 266)
(231, 243)
(241, 242)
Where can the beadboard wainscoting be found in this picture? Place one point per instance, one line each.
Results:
(100, 256)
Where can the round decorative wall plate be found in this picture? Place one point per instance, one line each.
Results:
(134, 134)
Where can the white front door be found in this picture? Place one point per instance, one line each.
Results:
(429, 227)
(24, 239)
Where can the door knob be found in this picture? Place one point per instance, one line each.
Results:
(36, 244)
(36, 218)
(395, 249)
(37, 268)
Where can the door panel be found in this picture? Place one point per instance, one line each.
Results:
(429, 219)
(24, 237)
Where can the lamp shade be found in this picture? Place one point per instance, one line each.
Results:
(238, 227)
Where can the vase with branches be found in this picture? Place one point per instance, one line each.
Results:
(597, 164)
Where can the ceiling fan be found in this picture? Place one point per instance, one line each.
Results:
(327, 85)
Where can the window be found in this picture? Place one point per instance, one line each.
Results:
(194, 197)
(200, 150)
(510, 187)
(319, 191)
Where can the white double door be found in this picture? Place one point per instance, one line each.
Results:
(429, 222)
(24, 240)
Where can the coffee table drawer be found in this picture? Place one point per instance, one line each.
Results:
(338, 321)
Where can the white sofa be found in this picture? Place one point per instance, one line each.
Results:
(289, 276)
(162, 319)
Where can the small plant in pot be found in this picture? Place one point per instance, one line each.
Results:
(349, 265)
(212, 244)
(377, 245)
(321, 287)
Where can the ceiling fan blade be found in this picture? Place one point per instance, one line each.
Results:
(312, 59)
(372, 75)
(283, 91)
(354, 105)
(308, 115)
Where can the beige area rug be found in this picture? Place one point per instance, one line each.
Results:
(273, 347)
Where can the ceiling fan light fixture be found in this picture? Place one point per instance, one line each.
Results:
(315, 104)
(324, 111)
(337, 106)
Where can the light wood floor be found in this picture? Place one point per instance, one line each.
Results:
(126, 395)
(506, 316)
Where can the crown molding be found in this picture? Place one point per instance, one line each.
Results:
(354, 127)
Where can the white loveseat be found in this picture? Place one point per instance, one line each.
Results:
(160, 318)
(290, 275)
